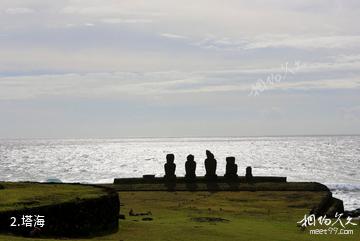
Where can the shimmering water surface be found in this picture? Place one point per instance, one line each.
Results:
(332, 160)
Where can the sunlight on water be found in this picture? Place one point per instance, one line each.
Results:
(332, 160)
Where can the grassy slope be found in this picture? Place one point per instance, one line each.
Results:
(252, 216)
(19, 195)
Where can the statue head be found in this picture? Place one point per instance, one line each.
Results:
(170, 158)
(209, 155)
(190, 157)
(230, 160)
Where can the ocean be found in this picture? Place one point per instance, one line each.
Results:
(331, 160)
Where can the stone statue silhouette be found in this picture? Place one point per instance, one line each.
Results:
(231, 167)
(210, 165)
(190, 167)
(248, 174)
(170, 166)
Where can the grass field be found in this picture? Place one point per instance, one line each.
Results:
(262, 215)
(20, 195)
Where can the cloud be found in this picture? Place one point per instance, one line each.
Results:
(305, 42)
(111, 9)
(19, 10)
(148, 84)
(249, 39)
(173, 36)
(349, 58)
(323, 84)
(202, 55)
(90, 85)
(280, 41)
(129, 20)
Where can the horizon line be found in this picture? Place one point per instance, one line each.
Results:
(169, 137)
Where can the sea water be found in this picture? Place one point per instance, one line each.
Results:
(331, 160)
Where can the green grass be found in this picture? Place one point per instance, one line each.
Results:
(21, 195)
(263, 215)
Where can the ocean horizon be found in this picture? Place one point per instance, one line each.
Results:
(329, 159)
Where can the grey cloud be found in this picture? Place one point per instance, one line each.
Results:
(19, 10)
(173, 36)
(203, 56)
(280, 41)
(114, 84)
(126, 20)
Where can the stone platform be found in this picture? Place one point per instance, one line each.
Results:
(148, 179)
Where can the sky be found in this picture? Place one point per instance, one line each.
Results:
(163, 68)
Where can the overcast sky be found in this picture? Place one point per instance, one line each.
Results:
(128, 68)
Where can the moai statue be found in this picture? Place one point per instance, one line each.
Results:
(248, 175)
(231, 167)
(210, 165)
(170, 166)
(190, 167)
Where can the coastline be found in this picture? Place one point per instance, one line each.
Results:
(223, 212)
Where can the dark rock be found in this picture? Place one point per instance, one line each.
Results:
(209, 219)
(170, 167)
(147, 219)
(353, 214)
(328, 206)
(210, 165)
(231, 167)
(132, 213)
(248, 174)
(190, 167)
(336, 206)
(357, 212)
